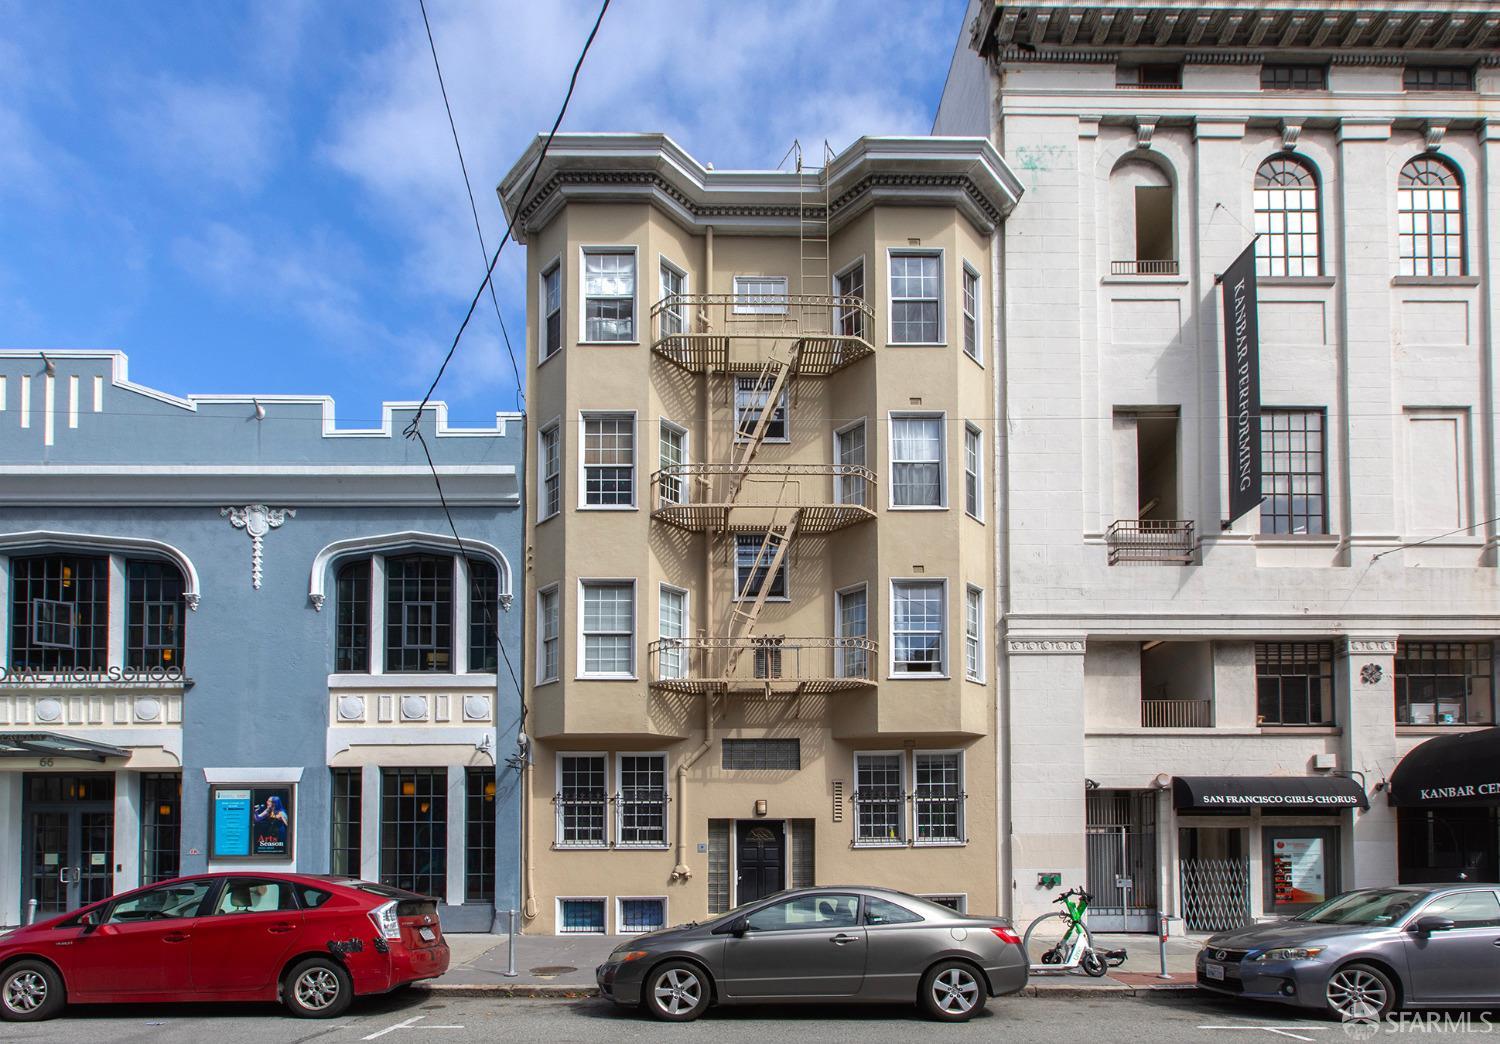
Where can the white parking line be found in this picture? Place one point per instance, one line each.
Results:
(1280, 1031)
(410, 1023)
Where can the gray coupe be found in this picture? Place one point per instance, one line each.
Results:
(1368, 952)
(852, 944)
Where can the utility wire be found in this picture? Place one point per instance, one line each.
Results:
(510, 225)
(484, 251)
(1439, 536)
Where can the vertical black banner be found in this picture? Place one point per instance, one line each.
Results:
(1242, 383)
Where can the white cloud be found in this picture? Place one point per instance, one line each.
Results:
(201, 133)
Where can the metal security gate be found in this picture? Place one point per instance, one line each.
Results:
(1215, 894)
(1121, 828)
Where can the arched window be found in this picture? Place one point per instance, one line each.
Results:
(1143, 229)
(1430, 218)
(1286, 217)
(424, 617)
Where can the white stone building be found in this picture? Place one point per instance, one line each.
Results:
(1149, 648)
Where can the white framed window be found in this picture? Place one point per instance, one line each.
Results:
(879, 799)
(849, 453)
(916, 297)
(850, 282)
(1430, 218)
(751, 566)
(918, 460)
(750, 397)
(973, 346)
(607, 629)
(673, 284)
(938, 797)
(580, 915)
(672, 627)
(551, 311)
(852, 612)
(974, 634)
(608, 460)
(582, 800)
(609, 294)
(549, 471)
(760, 295)
(641, 800)
(548, 634)
(955, 901)
(973, 472)
(672, 454)
(918, 628)
(635, 914)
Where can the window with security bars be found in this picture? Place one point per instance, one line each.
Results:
(153, 615)
(642, 803)
(938, 797)
(479, 835)
(609, 460)
(1437, 78)
(762, 754)
(582, 800)
(718, 865)
(916, 298)
(551, 312)
(671, 659)
(642, 915)
(879, 800)
(414, 829)
(608, 629)
(760, 295)
(484, 616)
(1293, 77)
(850, 322)
(580, 916)
(672, 454)
(1292, 479)
(549, 630)
(973, 472)
(1445, 683)
(418, 613)
(752, 566)
(972, 347)
(853, 608)
(1294, 683)
(346, 814)
(161, 826)
(609, 295)
(917, 629)
(956, 902)
(59, 612)
(673, 312)
(351, 643)
(750, 397)
(1286, 219)
(1430, 218)
(974, 634)
(549, 471)
(917, 460)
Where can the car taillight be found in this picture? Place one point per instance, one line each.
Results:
(386, 921)
(1007, 935)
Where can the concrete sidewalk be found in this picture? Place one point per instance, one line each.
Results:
(563, 966)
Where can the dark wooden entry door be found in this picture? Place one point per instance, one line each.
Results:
(760, 851)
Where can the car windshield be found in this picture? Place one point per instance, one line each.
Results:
(1373, 907)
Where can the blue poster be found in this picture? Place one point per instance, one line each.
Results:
(231, 823)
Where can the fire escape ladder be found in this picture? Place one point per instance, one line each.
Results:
(748, 437)
(813, 205)
(769, 558)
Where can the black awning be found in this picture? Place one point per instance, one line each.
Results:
(1462, 769)
(1242, 793)
(56, 745)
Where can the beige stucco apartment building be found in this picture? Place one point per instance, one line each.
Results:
(760, 537)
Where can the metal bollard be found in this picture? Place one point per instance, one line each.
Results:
(31, 911)
(510, 964)
(1162, 948)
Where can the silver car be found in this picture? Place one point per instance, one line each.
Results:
(821, 944)
(1368, 952)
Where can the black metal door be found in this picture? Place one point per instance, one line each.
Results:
(761, 855)
(68, 846)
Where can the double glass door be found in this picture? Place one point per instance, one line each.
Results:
(69, 841)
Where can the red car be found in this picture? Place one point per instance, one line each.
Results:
(314, 943)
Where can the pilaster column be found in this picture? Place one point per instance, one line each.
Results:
(369, 821)
(456, 808)
(1365, 683)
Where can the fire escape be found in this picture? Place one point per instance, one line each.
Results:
(757, 350)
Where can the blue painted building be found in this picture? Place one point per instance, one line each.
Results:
(241, 633)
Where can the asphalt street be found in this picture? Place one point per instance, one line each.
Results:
(418, 1018)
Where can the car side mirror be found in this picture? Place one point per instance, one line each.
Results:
(1428, 925)
(736, 927)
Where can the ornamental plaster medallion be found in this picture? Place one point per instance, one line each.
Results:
(147, 709)
(48, 710)
(1370, 674)
(351, 708)
(257, 520)
(414, 708)
(476, 708)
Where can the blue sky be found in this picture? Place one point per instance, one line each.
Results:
(264, 197)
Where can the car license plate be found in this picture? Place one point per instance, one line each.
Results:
(428, 936)
(1214, 971)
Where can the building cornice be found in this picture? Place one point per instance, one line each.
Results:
(964, 173)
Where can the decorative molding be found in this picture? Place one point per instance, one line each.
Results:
(1017, 56)
(1369, 646)
(49, 539)
(1291, 130)
(1434, 130)
(290, 774)
(317, 590)
(257, 520)
(1045, 646)
(1145, 127)
(1370, 674)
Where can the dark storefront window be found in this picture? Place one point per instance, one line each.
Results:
(348, 791)
(479, 835)
(59, 612)
(414, 829)
(1445, 683)
(1448, 844)
(418, 613)
(161, 826)
(1294, 683)
(352, 632)
(484, 625)
(153, 618)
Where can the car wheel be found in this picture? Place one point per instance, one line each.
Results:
(317, 988)
(952, 992)
(30, 991)
(676, 992)
(1360, 993)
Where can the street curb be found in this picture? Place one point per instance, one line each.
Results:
(1119, 990)
(551, 992)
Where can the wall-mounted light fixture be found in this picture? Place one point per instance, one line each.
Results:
(761, 808)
